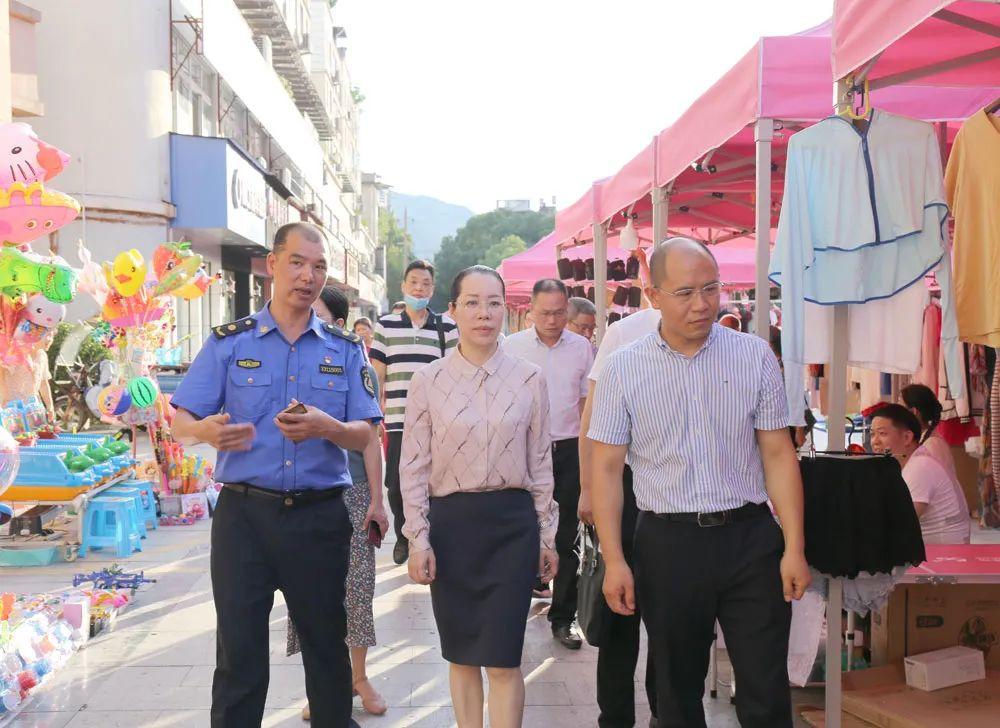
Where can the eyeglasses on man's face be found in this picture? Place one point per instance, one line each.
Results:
(710, 293)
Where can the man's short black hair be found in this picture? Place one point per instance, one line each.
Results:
(549, 285)
(419, 264)
(336, 301)
(312, 233)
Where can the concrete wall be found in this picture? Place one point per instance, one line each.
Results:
(105, 81)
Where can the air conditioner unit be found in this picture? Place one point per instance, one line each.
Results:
(263, 43)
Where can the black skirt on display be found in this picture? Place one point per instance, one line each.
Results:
(858, 515)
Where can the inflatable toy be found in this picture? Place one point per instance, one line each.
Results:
(26, 158)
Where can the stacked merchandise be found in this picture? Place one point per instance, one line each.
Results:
(39, 632)
(625, 285)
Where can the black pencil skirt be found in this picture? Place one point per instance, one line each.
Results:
(486, 546)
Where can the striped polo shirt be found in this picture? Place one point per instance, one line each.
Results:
(403, 349)
(690, 422)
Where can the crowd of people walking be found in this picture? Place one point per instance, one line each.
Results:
(670, 438)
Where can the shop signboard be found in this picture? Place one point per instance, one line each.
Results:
(277, 213)
(220, 195)
(247, 197)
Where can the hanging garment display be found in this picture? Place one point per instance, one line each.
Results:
(930, 347)
(884, 335)
(973, 185)
(859, 516)
(863, 218)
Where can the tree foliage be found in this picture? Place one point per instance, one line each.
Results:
(509, 245)
(398, 246)
(486, 239)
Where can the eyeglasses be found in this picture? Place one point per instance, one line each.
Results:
(710, 292)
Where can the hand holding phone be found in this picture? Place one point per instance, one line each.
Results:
(374, 534)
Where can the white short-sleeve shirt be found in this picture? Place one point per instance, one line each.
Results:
(946, 519)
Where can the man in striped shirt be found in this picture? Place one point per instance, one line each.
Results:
(699, 411)
(403, 343)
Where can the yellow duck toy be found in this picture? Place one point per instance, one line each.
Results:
(127, 273)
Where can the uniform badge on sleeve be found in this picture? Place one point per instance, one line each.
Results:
(366, 379)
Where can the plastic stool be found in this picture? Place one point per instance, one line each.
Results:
(133, 494)
(148, 501)
(111, 522)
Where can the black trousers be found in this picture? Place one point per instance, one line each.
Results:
(392, 481)
(566, 473)
(618, 654)
(260, 545)
(686, 578)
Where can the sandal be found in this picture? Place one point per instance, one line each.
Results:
(371, 701)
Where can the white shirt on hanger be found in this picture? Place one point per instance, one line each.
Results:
(883, 335)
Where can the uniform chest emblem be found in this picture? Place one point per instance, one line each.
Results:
(330, 369)
(248, 363)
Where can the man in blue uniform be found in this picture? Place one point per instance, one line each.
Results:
(280, 522)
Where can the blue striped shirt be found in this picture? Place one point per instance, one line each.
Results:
(690, 422)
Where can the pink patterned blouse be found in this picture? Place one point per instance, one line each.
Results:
(476, 428)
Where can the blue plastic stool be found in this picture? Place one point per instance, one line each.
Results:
(111, 522)
(133, 494)
(148, 500)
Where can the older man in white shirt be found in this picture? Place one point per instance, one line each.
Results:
(565, 358)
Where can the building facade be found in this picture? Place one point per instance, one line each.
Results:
(213, 121)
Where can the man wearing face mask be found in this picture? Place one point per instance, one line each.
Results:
(403, 343)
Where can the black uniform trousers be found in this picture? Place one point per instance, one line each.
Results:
(687, 577)
(259, 545)
(566, 474)
(392, 480)
(618, 653)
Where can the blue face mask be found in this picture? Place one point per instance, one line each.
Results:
(417, 304)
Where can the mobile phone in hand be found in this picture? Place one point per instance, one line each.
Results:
(374, 534)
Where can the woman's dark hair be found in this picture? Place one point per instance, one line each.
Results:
(336, 302)
(922, 399)
(901, 418)
(456, 285)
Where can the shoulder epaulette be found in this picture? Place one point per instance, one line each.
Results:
(343, 334)
(244, 324)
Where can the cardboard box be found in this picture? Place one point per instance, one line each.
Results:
(944, 668)
(967, 470)
(881, 697)
(923, 617)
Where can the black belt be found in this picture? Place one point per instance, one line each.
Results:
(288, 498)
(716, 518)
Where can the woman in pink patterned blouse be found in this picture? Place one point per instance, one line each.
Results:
(476, 477)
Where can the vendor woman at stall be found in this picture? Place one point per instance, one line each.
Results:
(937, 496)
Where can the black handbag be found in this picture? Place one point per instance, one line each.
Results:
(591, 610)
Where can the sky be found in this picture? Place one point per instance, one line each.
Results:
(474, 101)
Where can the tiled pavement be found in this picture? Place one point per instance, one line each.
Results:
(154, 668)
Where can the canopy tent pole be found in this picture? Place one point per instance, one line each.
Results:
(660, 211)
(600, 277)
(763, 135)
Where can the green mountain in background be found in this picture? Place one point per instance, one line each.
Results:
(428, 220)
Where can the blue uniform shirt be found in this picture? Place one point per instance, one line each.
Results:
(250, 371)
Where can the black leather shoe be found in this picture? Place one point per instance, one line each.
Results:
(401, 552)
(566, 636)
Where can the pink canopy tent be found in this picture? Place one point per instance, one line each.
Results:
(722, 162)
(736, 260)
(940, 42)
(707, 157)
